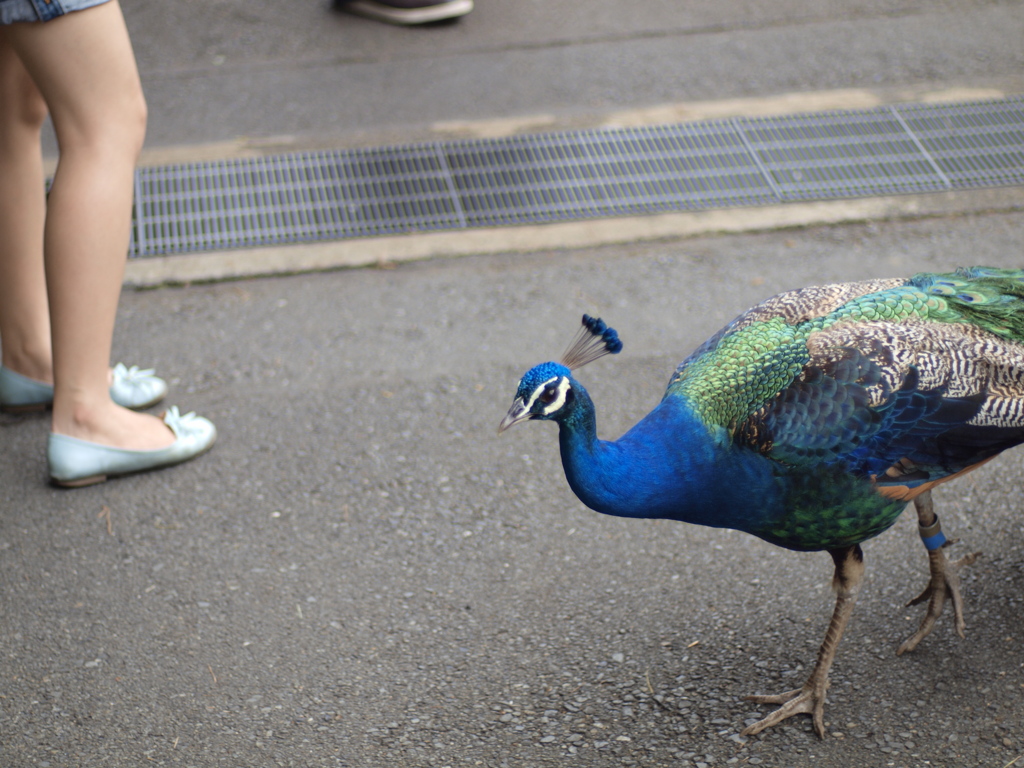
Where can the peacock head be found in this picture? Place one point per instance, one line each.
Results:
(546, 391)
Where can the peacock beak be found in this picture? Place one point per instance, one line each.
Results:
(518, 412)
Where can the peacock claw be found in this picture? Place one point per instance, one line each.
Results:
(810, 699)
(807, 701)
(944, 582)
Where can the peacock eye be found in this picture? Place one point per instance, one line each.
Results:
(549, 395)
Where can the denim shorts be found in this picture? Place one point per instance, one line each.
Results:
(12, 11)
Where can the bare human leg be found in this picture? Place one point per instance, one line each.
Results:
(83, 66)
(24, 312)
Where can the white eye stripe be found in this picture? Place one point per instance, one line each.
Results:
(537, 392)
(558, 402)
(556, 405)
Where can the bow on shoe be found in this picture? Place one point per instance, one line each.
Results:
(132, 375)
(136, 387)
(186, 425)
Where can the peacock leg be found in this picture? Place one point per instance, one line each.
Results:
(945, 574)
(810, 699)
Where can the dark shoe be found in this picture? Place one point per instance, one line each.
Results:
(408, 12)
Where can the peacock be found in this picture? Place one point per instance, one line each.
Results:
(810, 421)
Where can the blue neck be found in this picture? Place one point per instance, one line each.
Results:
(667, 466)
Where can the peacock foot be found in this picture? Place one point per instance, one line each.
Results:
(809, 700)
(944, 583)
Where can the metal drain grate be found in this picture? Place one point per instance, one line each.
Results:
(577, 175)
(840, 155)
(975, 145)
(604, 173)
(292, 198)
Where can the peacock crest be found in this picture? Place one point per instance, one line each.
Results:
(594, 340)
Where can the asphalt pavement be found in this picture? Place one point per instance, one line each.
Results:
(362, 572)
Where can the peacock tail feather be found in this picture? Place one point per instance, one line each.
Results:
(990, 299)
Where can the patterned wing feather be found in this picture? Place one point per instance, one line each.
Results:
(908, 381)
(967, 404)
(824, 414)
(830, 416)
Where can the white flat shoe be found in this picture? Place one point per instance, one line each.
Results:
(133, 387)
(20, 394)
(136, 387)
(75, 463)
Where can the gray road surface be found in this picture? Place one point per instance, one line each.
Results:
(222, 69)
(362, 573)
